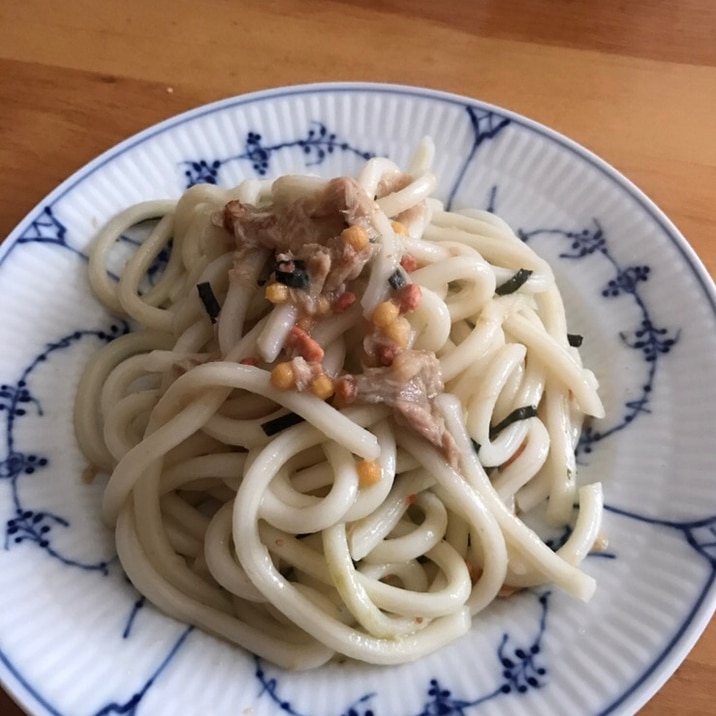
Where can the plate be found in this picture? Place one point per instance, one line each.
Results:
(75, 638)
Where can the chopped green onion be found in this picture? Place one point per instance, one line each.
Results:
(283, 422)
(512, 284)
(527, 411)
(211, 305)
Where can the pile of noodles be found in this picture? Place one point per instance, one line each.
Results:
(240, 507)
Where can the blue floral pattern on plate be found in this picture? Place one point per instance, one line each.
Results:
(522, 668)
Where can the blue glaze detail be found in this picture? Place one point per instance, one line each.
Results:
(521, 672)
(519, 667)
(34, 526)
(131, 706)
(136, 607)
(486, 125)
(270, 688)
(156, 268)
(492, 200)
(315, 145)
(650, 340)
(46, 228)
(558, 541)
(41, 227)
(699, 534)
(26, 524)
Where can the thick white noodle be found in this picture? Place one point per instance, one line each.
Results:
(276, 542)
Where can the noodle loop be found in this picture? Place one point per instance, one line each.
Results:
(340, 404)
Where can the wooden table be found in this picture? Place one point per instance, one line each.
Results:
(633, 81)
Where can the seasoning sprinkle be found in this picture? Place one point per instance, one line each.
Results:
(574, 339)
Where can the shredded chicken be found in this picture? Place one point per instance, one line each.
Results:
(409, 385)
(304, 372)
(309, 229)
(379, 349)
(312, 219)
(306, 234)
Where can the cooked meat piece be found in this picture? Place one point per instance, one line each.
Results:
(251, 226)
(309, 229)
(425, 421)
(379, 349)
(409, 385)
(305, 373)
(318, 260)
(312, 219)
(247, 265)
(346, 196)
(346, 262)
(306, 235)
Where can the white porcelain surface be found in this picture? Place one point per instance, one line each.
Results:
(74, 637)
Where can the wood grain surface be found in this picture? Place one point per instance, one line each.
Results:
(634, 81)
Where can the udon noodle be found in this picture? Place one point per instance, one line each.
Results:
(337, 406)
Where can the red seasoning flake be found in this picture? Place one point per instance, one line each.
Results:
(409, 263)
(386, 353)
(304, 345)
(345, 391)
(344, 302)
(249, 360)
(411, 499)
(409, 297)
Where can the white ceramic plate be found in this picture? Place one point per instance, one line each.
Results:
(75, 639)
